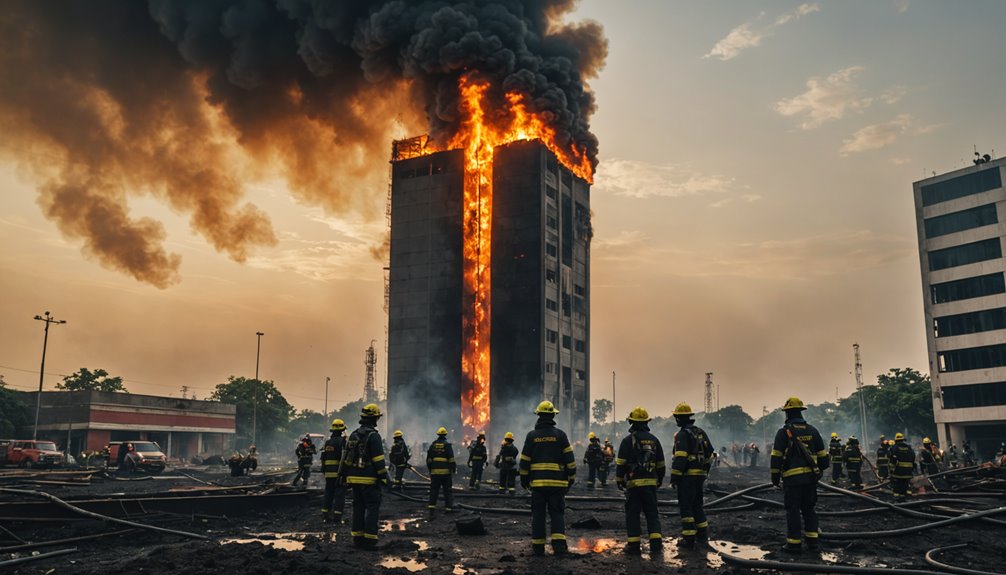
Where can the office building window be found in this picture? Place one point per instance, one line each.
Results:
(551, 222)
(551, 191)
(966, 185)
(550, 276)
(566, 340)
(968, 288)
(966, 254)
(984, 357)
(973, 322)
(581, 375)
(578, 289)
(580, 345)
(551, 336)
(551, 305)
(960, 221)
(551, 250)
(974, 395)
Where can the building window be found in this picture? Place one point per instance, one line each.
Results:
(552, 222)
(966, 254)
(549, 367)
(973, 322)
(974, 395)
(551, 250)
(581, 375)
(550, 276)
(551, 191)
(984, 357)
(566, 340)
(551, 305)
(578, 290)
(968, 288)
(960, 221)
(966, 185)
(580, 345)
(551, 336)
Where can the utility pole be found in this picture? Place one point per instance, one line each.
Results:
(862, 400)
(614, 413)
(370, 362)
(764, 416)
(327, 379)
(258, 353)
(48, 319)
(709, 392)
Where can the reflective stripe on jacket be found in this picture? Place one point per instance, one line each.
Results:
(546, 459)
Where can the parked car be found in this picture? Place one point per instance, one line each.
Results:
(29, 453)
(146, 456)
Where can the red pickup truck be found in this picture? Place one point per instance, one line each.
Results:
(28, 453)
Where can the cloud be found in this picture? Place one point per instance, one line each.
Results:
(622, 240)
(746, 36)
(826, 99)
(323, 261)
(637, 179)
(878, 136)
(746, 198)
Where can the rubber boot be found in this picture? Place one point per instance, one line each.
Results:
(702, 537)
(792, 548)
(687, 542)
(359, 541)
(538, 549)
(813, 544)
(633, 548)
(431, 512)
(656, 546)
(559, 547)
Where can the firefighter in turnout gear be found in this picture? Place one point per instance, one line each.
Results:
(853, 458)
(902, 460)
(364, 469)
(335, 487)
(506, 462)
(305, 458)
(607, 459)
(927, 458)
(693, 453)
(593, 458)
(440, 462)
(799, 459)
(883, 465)
(640, 471)
(399, 456)
(477, 457)
(548, 469)
(835, 451)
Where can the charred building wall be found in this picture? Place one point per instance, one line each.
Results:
(540, 293)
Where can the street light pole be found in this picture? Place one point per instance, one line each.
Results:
(258, 353)
(327, 379)
(614, 412)
(48, 319)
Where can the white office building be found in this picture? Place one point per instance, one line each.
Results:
(961, 218)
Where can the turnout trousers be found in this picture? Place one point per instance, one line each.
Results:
(836, 471)
(507, 479)
(800, 501)
(476, 477)
(399, 472)
(855, 478)
(438, 483)
(641, 499)
(335, 497)
(550, 500)
(900, 486)
(592, 473)
(366, 508)
(692, 508)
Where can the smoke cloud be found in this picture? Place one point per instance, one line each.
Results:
(186, 100)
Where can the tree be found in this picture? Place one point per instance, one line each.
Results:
(601, 410)
(309, 421)
(901, 400)
(272, 414)
(732, 421)
(14, 411)
(349, 413)
(87, 380)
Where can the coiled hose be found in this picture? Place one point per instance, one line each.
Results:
(951, 568)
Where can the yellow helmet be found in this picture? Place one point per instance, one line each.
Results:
(639, 414)
(442, 431)
(793, 403)
(683, 409)
(899, 436)
(926, 440)
(337, 425)
(370, 410)
(591, 435)
(508, 435)
(545, 407)
(398, 433)
(834, 435)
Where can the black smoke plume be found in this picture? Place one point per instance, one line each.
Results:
(184, 100)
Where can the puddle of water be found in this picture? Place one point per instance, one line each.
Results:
(399, 524)
(714, 561)
(279, 543)
(460, 569)
(410, 565)
(293, 541)
(422, 545)
(829, 557)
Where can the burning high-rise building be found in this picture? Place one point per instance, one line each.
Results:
(489, 286)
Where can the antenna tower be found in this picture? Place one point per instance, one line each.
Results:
(709, 392)
(369, 390)
(862, 400)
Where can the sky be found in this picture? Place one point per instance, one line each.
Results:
(753, 218)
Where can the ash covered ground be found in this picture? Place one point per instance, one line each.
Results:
(294, 539)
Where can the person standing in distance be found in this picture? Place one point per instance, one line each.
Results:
(799, 459)
(692, 457)
(365, 471)
(335, 488)
(548, 469)
(440, 461)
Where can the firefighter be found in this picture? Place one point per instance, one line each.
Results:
(902, 460)
(506, 462)
(754, 451)
(548, 469)
(331, 461)
(927, 459)
(399, 456)
(305, 458)
(968, 453)
(952, 457)
(689, 468)
(883, 465)
(477, 457)
(607, 458)
(440, 462)
(799, 459)
(593, 458)
(364, 468)
(835, 450)
(853, 459)
(639, 472)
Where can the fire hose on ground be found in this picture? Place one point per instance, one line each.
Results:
(28, 558)
(819, 567)
(902, 510)
(952, 568)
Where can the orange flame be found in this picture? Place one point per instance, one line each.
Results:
(478, 136)
(597, 546)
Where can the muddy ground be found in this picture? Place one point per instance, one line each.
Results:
(294, 539)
